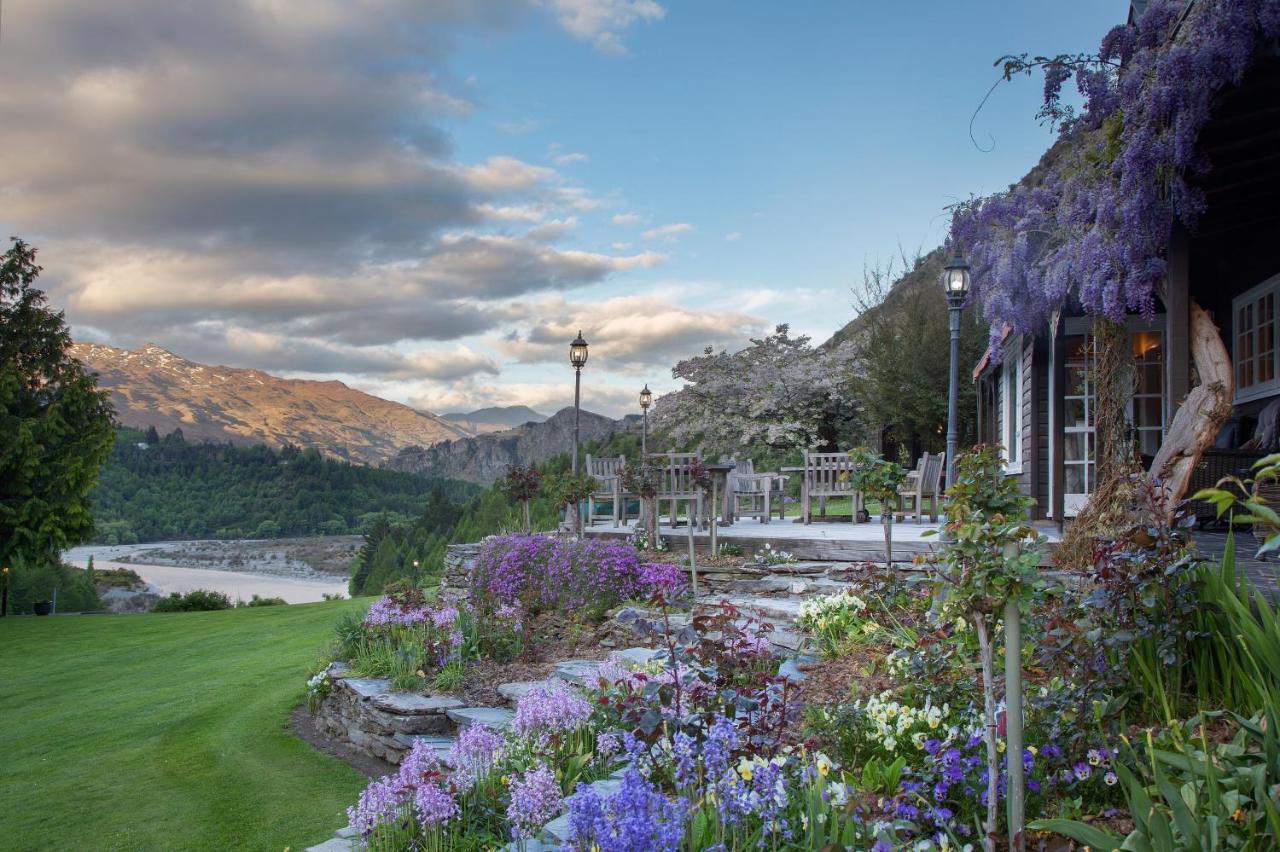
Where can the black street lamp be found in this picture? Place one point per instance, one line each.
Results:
(646, 399)
(578, 360)
(955, 281)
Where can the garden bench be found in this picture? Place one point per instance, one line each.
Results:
(827, 475)
(607, 472)
(677, 485)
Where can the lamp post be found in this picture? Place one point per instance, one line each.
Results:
(646, 399)
(955, 282)
(577, 359)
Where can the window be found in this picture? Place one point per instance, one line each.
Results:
(1010, 431)
(1255, 352)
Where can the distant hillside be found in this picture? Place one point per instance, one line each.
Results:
(484, 458)
(494, 419)
(177, 489)
(153, 387)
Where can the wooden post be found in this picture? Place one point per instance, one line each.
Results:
(693, 564)
(1013, 718)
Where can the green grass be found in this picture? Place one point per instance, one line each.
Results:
(165, 732)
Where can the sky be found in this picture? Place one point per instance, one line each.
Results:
(428, 199)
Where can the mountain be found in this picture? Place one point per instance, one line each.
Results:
(153, 387)
(494, 419)
(484, 458)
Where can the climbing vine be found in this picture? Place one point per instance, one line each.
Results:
(1092, 223)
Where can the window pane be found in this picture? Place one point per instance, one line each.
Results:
(1073, 412)
(1074, 479)
(1149, 441)
(1075, 446)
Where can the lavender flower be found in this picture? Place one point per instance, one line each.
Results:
(435, 806)
(379, 804)
(535, 801)
(550, 708)
(472, 755)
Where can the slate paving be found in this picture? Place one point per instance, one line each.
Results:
(497, 718)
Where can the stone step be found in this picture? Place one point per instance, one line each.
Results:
(636, 658)
(335, 844)
(438, 743)
(781, 609)
(578, 672)
(367, 687)
(496, 718)
(410, 704)
(513, 692)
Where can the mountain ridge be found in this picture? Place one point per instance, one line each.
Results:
(151, 386)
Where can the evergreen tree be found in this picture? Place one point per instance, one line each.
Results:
(55, 421)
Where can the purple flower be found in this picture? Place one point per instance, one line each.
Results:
(435, 806)
(379, 804)
(473, 755)
(637, 818)
(550, 708)
(535, 801)
(607, 744)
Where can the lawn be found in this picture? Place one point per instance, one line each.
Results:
(165, 732)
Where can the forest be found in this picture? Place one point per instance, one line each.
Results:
(155, 488)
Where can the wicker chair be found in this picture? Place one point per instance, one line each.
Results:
(1214, 465)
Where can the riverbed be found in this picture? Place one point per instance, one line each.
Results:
(234, 576)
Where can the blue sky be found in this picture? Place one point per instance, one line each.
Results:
(424, 199)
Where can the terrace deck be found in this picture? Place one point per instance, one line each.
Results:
(823, 541)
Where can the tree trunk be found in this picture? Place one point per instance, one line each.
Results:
(1113, 378)
(1201, 414)
(987, 655)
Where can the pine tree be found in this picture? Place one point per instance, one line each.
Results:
(55, 421)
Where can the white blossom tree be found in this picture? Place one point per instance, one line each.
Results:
(779, 391)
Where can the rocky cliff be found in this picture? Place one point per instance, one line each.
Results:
(484, 458)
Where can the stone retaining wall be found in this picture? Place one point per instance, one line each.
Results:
(367, 715)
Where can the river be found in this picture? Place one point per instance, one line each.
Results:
(293, 585)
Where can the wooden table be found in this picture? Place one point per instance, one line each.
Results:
(719, 473)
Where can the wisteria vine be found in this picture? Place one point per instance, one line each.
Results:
(1091, 225)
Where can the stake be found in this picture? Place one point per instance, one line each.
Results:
(693, 565)
(1013, 718)
(989, 718)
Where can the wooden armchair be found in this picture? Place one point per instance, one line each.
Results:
(923, 483)
(759, 491)
(677, 485)
(827, 475)
(607, 474)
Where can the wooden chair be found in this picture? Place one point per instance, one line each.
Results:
(677, 485)
(758, 490)
(607, 474)
(923, 483)
(827, 475)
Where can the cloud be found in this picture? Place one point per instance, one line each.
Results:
(569, 159)
(626, 333)
(732, 236)
(619, 246)
(549, 232)
(668, 232)
(625, 218)
(602, 22)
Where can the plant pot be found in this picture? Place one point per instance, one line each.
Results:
(43, 607)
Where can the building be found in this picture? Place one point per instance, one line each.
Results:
(1034, 396)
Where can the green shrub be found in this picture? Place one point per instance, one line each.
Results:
(258, 600)
(199, 600)
(31, 583)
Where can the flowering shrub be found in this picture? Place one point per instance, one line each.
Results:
(550, 573)
(551, 708)
(768, 556)
(318, 688)
(834, 619)
(407, 638)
